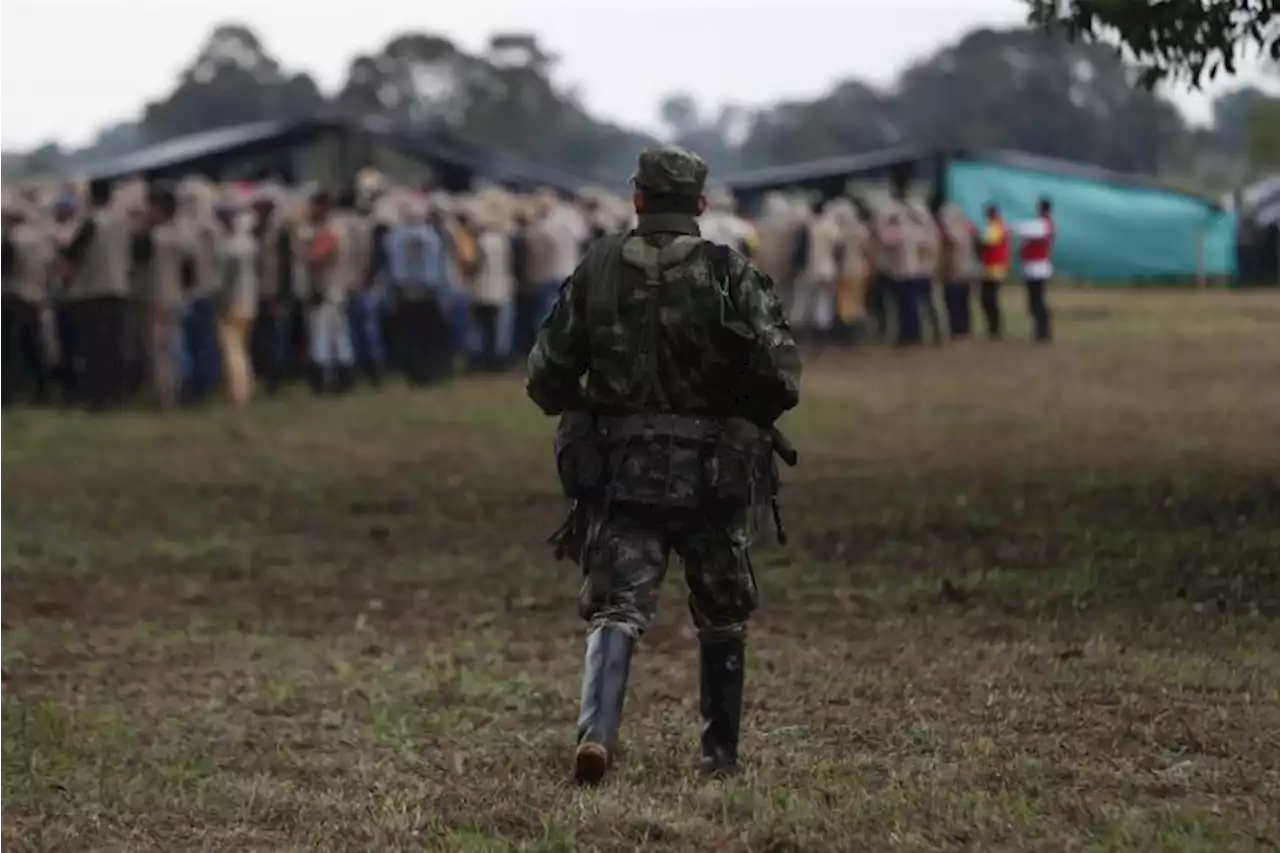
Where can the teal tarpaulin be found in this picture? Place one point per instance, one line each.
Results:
(1105, 232)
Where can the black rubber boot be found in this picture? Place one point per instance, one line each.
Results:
(723, 664)
(604, 688)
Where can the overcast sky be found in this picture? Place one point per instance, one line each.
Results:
(71, 66)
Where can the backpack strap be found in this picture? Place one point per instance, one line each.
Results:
(653, 261)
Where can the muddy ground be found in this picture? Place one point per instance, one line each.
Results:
(1029, 603)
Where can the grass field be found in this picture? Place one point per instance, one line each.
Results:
(1030, 602)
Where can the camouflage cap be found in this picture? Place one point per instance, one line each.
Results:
(670, 170)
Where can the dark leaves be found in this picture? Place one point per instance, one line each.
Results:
(1186, 40)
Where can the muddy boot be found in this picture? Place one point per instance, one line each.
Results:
(604, 687)
(722, 664)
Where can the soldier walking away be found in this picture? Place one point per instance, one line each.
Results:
(668, 446)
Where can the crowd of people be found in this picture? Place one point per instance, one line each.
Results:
(179, 290)
(873, 267)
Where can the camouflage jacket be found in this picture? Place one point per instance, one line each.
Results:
(672, 340)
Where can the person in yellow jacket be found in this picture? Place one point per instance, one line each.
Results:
(994, 253)
(853, 269)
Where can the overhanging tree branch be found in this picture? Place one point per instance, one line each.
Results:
(1188, 40)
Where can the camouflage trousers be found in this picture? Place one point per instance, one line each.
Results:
(625, 559)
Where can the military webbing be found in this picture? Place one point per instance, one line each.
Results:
(721, 272)
(602, 296)
(653, 261)
(685, 427)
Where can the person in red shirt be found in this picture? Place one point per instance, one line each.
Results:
(1037, 236)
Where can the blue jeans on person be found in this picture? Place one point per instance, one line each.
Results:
(532, 308)
(364, 317)
(458, 313)
(906, 300)
(506, 332)
(201, 357)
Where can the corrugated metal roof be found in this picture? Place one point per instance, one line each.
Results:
(174, 154)
(489, 163)
(1261, 201)
(187, 149)
(825, 169)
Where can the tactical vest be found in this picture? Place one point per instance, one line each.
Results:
(656, 458)
(656, 264)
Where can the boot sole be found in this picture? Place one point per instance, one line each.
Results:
(590, 763)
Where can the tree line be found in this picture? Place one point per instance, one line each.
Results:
(1050, 93)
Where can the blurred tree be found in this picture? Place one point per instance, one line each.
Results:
(1018, 89)
(1233, 116)
(1191, 40)
(232, 80)
(679, 112)
(717, 138)
(852, 118)
(504, 99)
(1264, 136)
(415, 80)
(48, 159)
(1032, 92)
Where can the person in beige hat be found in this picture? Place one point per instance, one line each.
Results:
(493, 286)
(95, 263)
(272, 336)
(28, 259)
(958, 268)
(778, 232)
(418, 263)
(544, 263)
(197, 199)
(326, 254)
(237, 297)
(168, 274)
(853, 268)
(364, 300)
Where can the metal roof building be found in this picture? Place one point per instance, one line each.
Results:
(331, 150)
(1111, 226)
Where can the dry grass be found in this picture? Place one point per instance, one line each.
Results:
(334, 626)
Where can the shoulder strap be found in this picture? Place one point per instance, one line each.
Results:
(653, 261)
(722, 273)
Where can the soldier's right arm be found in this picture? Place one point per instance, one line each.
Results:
(560, 354)
(772, 371)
